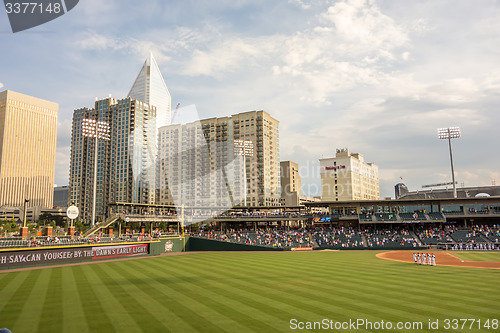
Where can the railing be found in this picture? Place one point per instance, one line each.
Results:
(103, 225)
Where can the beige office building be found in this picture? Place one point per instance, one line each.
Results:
(28, 131)
(245, 146)
(347, 177)
(290, 183)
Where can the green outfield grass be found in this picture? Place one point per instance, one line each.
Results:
(478, 256)
(244, 292)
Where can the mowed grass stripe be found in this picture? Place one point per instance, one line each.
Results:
(5, 279)
(236, 284)
(242, 310)
(125, 306)
(52, 307)
(9, 286)
(73, 314)
(165, 307)
(95, 314)
(424, 282)
(186, 306)
(314, 299)
(306, 301)
(33, 305)
(404, 273)
(425, 306)
(282, 309)
(478, 256)
(224, 291)
(14, 295)
(273, 287)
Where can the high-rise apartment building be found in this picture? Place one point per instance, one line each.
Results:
(290, 183)
(215, 161)
(125, 162)
(28, 132)
(347, 177)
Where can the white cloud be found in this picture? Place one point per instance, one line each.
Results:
(228, 56)
(362, 27)
(347, 49)
(179, 40)
(300, 3)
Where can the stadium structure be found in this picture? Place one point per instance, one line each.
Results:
(429, 192)
(373, 224)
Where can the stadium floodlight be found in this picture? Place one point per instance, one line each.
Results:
(98, 130)
(448, 134)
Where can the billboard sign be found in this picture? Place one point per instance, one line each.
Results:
(67, 255)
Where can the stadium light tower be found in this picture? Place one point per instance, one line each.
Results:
(448, 134)
(98, 130)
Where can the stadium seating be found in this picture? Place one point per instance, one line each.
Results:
(390, 238)
(433, 236)
(436, 216)
(415, 216)
(467, 236)
(339, 238)
(389, 217)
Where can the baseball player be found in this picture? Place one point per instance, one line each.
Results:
(433, 259)
(424, 258)
(415, 257)
(418, 258)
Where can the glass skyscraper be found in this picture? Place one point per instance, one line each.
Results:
(149, 87)
(126, 164)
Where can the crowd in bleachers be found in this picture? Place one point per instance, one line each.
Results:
(46, 241)
(277, 238)
(390, 237)
(352, 238)
(480, 237)
(341, 237)
(492, 233)
(435, 235)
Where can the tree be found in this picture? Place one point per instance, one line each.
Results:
(48, 217)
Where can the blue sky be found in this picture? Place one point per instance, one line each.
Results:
(378, 77)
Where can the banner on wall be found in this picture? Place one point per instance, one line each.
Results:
(60, 256)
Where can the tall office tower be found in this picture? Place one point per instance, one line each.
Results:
(290, 183)
(125, 162)
(217, 160)
(347, 177)
(28, 131)
(150, 88)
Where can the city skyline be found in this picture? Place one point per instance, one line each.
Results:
(375, 76)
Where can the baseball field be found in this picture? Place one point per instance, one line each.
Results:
(346, 291)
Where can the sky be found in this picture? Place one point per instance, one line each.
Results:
(376, 77)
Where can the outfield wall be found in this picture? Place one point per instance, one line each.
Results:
(60, 255)
(203, 244)
(374, 248)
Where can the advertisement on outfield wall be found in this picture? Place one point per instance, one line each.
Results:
(60, 256)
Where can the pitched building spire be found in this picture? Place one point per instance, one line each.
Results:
(149, 87)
